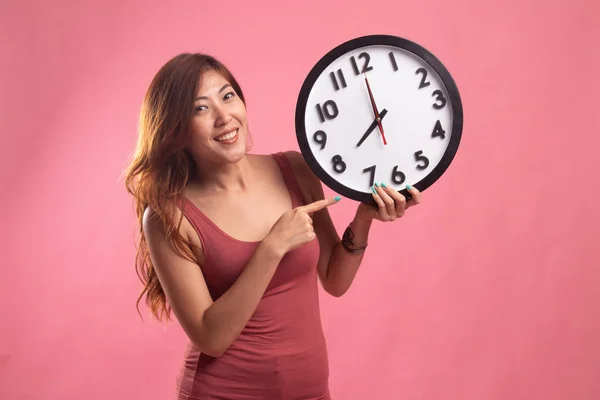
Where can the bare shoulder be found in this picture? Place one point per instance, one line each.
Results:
(151, 222)
(154, 228)
(308, 181)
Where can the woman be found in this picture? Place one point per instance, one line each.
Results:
(235, 243)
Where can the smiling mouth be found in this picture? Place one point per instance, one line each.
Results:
(227, 137)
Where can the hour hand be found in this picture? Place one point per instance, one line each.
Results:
(372, 127)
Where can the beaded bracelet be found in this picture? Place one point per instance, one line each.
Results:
(348, 242)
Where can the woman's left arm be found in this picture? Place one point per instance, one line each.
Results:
(337, 265)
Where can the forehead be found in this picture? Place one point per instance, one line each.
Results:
(211, 81)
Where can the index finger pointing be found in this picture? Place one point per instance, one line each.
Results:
(319, 204)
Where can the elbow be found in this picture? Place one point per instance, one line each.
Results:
(213, 343)
(214, 352)
(212, 348)
(335, 290)
(211, 336)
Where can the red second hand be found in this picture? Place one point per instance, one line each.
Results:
(375, 110)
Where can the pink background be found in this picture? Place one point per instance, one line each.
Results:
(488, 290)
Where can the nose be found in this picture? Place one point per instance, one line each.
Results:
(222, 116)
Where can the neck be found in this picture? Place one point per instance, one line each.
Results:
(225, 176)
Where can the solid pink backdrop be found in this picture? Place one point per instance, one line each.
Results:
(488, 290)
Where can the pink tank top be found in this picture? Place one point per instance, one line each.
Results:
(281, 353)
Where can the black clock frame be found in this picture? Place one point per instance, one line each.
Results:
(370, 40)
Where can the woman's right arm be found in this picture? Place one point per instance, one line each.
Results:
(211, 326)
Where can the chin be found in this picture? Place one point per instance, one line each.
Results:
(235, 155)
(236, 151)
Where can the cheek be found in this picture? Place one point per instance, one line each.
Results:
(201, 130)
(198, 138)
(240, 113)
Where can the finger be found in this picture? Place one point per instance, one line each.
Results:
(382, 212)
(399, 201)
(415, 196)
(389, 202)
(319, 205)
(308, 218)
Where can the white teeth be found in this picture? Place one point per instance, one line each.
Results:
(228, 136)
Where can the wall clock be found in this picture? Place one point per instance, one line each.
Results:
(378, 108)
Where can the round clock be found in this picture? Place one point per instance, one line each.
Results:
(378, 108)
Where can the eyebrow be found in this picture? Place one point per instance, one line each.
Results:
(220, 90)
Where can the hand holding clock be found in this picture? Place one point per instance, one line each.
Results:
(391, 204)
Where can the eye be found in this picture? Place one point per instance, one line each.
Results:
(229, 95)
(200, 108)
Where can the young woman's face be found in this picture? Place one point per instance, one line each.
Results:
(219, 125)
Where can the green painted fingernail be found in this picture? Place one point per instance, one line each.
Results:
(374, 190)
(408, 187)
(384, 185)
(376, 184)
(337, 198)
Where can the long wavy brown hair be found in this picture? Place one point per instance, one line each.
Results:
(161, 166)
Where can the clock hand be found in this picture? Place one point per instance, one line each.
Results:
(377, 116)
(372, 127)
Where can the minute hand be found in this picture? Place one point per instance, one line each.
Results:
(377, 116)
(372, 127)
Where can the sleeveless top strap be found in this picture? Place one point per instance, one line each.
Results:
(289, 177)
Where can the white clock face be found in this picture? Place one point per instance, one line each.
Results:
(416, 115)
